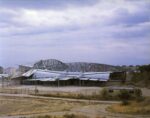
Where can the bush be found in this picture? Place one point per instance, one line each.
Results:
(45, 116)
(138, 95)
(80, 96)
(74, 116)
(105, 94)
(69, 116)
(124, 95)
(142, 78)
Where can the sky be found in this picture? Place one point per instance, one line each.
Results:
(115, 32)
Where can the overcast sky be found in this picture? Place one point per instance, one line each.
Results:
(105, 31)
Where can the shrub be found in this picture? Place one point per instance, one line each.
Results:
(74, 116)
(138, 95)
(69, 116)
(105, 94)
(124, 95)
(45, 116)
(80, 96)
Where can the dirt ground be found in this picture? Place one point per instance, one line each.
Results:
(11, 106)
(19, 107)
(25, 107)
(15, 107)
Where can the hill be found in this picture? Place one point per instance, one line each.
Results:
(87, 67)
(50, 64)
(56, 65)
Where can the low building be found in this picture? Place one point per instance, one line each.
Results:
(118, 76)
(63, 78)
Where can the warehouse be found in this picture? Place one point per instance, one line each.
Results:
(63, 78)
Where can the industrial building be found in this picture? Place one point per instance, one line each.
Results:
(63, 78)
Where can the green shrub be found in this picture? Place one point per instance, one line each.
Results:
(124, 95)
(104, 94)
(138, 95)
(81, 96)
(74, 116)
(45, 116)
(69, 116)
(142, 77)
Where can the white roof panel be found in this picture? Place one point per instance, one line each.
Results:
(39, 74)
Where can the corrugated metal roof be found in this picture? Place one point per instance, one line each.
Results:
(65, 78)
(44, 79)
(29, 73)
(99, 76)
(62, 75)
(4, 75)
(83, 78)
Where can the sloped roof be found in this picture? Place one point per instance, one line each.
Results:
(62, 75)
(3, 75)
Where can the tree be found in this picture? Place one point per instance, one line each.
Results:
(144, 68)
(142, 77)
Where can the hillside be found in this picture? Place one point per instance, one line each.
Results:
(56, 65)
(50, 64)
(53, 64)
(86, 67)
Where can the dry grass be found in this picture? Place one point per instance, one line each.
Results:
(133, 108)
(47, 108)
(63, 116)
(23, 106)
(69, 95)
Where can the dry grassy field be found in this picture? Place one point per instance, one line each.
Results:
(134, 107)
(24, 106)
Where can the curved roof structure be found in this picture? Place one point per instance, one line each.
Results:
(46, 75)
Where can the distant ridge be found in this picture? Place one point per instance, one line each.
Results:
(56, 65)
(53, 64)
(50, 64)
(89, 67)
